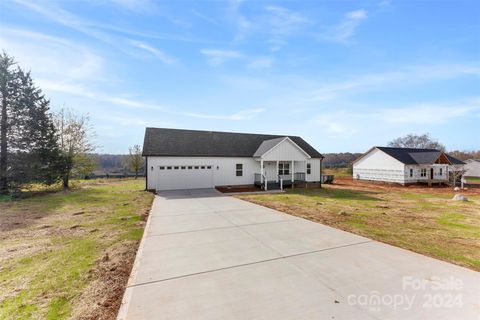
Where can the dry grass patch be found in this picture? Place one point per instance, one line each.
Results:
(69, 254)
(424, 220)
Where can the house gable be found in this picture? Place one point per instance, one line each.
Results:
(377, 159)
(285, 150)
(443, 159)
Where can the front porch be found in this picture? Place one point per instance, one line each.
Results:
(277, 175)
(281, 163)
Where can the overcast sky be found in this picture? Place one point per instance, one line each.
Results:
(345, 75)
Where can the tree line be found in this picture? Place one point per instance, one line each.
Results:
(37, 145)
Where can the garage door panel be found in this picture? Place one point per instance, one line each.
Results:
(185, 177)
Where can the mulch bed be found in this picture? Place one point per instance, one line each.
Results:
(238, 189)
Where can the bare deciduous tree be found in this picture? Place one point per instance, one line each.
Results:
(135, 159)
(456, 172)
(423, 141)
(74, 141)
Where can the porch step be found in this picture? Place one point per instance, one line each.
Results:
(273, 186)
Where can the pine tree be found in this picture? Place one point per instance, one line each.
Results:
(28, 138)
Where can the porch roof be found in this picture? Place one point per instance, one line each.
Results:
(267, 145)
(282, 148)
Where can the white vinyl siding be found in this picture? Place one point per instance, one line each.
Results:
(285, 151)
(379, 166)
(472, 168)
(223, 169)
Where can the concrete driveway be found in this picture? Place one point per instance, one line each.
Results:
(209, 256)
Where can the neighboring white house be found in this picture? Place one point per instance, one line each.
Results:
(190, 159)
(405, 165)
(472, 168)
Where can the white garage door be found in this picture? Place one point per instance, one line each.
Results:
(173, 177)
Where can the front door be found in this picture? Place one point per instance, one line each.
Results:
(271, 170)
(431, 173)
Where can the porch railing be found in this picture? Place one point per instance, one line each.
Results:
(299, 176)
(258, 178)
(258, 181)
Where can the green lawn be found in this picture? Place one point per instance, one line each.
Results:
(419, 219)
(68, 254)
(338, 172)
(473, 180)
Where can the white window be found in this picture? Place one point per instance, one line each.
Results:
(423, 172)
(411, 173)
(309, 168)
(239, 170)
(441, 172)
(162, 168)
(283, 169)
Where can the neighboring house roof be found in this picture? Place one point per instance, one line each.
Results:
(427, 157)
(454, 160)
(194, 143)
(414, 155)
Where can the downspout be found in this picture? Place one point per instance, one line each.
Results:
(146, 173)
(321, 160)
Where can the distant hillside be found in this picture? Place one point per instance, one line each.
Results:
(112, 164)
(342, 159)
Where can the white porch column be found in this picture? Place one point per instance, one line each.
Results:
(261, 171)
(293, 177)
(277, 172)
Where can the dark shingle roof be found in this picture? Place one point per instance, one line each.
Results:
(193, 143)
(417, 156)
(454, 160)
(267, 145)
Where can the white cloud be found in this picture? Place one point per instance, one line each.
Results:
(402, 77)
(334, 123)
(388, 119)
(260, 63)
(384, 3)
(52, 57)
(65, 18)
(81, 91)
(217, 57)
(241, 115)
(203, 17)
(135, 5)
(282, 23)
(276, 22)
(157, 53)
(346, 28)
(427, 114)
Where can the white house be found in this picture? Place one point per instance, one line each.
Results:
(189, 159)
(472, 168)
(405, 165)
